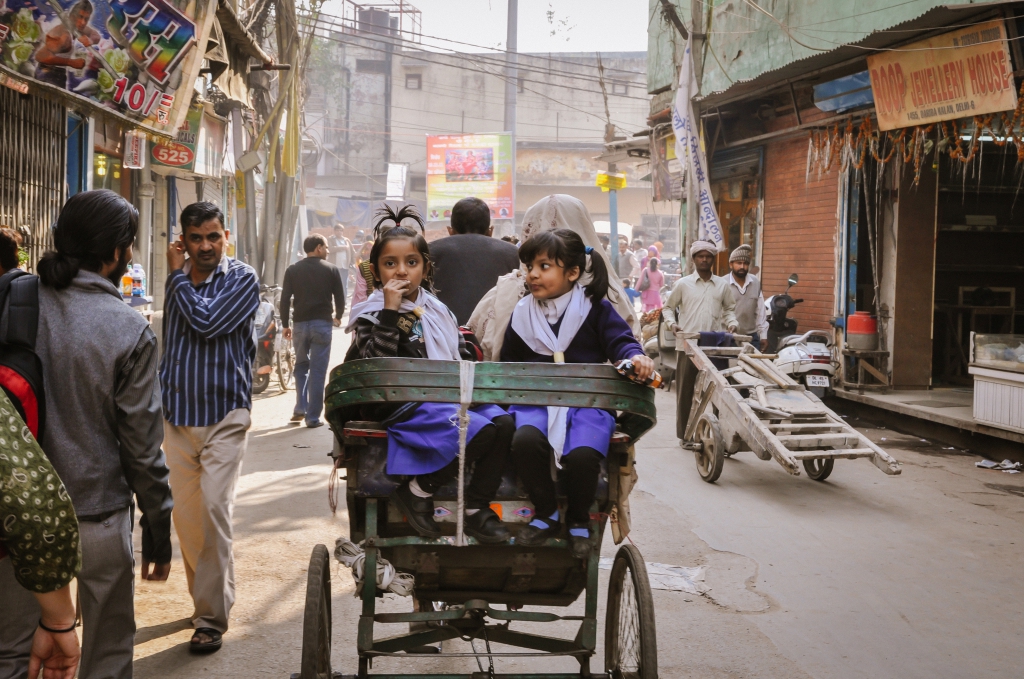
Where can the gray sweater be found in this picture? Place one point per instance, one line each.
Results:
(104, 425)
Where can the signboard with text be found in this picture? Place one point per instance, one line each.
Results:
(134, 58)
(954, 75)
(464, 165)
(197, 148)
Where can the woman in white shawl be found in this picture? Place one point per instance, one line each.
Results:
(494, 311)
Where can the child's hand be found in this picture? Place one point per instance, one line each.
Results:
(394, 292)
(643, 365)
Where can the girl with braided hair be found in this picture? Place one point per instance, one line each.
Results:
(403, 318)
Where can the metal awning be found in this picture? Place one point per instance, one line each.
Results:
(934, 21)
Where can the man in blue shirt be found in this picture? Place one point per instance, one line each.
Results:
(206, 380)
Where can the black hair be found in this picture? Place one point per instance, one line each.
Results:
(312, 242)
(471, 215)
(8, 249)
(81, 6)
(568, 249)
(198, 214)
(90, 228)
(383, 233)
(654, 263)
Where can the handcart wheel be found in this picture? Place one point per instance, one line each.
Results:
(711, 456)
(819, 469)
(630, 640)
(316, 622)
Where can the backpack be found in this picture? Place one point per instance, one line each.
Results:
(21, 371)
(645, 282)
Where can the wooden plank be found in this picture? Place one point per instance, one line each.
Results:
(805, 441)
(847, 454)
(765, 372)
(873, 371)
(803, 426)
(705, 398)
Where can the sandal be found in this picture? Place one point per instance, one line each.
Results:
(211, 646)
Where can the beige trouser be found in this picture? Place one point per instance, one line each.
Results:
(205, 463)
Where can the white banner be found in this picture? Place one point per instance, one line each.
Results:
(688, 147)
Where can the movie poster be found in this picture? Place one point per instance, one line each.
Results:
(463, 165)
(135, 58)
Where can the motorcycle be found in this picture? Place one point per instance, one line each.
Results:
(807, 358)
(272, 349)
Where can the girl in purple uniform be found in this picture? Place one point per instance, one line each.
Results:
(565, 319)
(402, 318)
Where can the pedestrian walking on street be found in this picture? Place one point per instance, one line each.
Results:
(629, 265)
(651, 282)
(701, 301)
(746, 290)
(313, 282)
(206, 377)
(102, 434)
(341, 251)
(468, 263)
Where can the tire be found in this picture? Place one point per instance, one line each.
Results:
(260, 383)
(630, 637)
(818, 470)
(286, 368)
(316, 621)
(711, 457)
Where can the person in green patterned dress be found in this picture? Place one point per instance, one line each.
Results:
(39, 533)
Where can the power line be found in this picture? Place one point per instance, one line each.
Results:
(485, 71)
(485, 47)
(480, 58)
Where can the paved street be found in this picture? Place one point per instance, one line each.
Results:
(863, 576)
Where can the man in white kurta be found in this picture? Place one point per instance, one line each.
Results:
(701, 301)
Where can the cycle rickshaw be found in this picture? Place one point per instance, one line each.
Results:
(458, 589)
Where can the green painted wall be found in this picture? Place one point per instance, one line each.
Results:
(747, 43)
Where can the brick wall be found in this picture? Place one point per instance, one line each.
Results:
(799, 232)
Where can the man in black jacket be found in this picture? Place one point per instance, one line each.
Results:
(468, 263)
(313, 282)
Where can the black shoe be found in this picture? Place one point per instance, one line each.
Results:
(580, 546)
(486, 527)
(419, 511)
(531, 536)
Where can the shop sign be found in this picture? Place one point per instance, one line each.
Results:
(963, 73)
(134, 149)
(181, 152)
(137, 59)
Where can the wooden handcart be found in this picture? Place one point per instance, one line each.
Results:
(476, 592)
(751, 405)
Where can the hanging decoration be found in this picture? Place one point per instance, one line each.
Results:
(849, 146)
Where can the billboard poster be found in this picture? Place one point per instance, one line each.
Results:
(135, 58)
(198, 147)
(464, 165)
(954, 75)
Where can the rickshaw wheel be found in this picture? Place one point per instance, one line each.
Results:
(818, 470)
(316, 622)
(630, 639)
(711, 456)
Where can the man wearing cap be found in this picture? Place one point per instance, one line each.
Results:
(701, 302)
(746, 289)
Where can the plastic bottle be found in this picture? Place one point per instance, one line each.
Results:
(137, 278)
(126, 283)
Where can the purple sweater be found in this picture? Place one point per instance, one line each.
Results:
(603, 337)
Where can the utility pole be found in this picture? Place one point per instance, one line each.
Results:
(613, 195)
(696, 50)
(512, 82)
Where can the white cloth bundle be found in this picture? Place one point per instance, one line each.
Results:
(388, 579)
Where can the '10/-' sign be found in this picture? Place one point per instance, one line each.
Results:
(137, 99)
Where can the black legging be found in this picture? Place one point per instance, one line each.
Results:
(489, 450)
(581, 468)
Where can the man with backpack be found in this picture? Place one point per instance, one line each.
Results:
(98, 419)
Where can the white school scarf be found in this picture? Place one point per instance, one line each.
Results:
(530, 321)
(440, 329)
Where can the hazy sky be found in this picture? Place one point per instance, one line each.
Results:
(544, 25)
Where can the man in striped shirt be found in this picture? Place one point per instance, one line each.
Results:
(206, 379)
